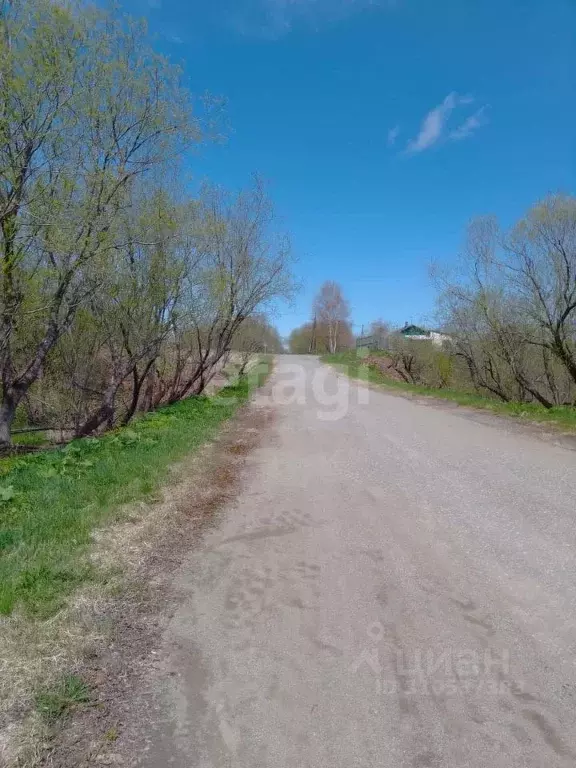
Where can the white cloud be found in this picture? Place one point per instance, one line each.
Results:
(273, 18)
(470, 125)
(393, 134)
(435, 123)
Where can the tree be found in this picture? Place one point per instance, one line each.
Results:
(236, 264)
(511, 309)
(255, 335)
(380, 330)
(300, 339)
(540, 264)
(134, 308)
(86, 107)
(331, 310)
(317, 336)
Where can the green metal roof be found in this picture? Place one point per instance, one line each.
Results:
(414, 330)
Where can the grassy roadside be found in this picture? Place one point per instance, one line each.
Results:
(51, 502)
(351, 364)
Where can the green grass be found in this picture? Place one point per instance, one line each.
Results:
(352, 364)
(50, 502)
(32, 439)
(67, 694)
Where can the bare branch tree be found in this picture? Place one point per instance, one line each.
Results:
(332, 310)
(238, 265)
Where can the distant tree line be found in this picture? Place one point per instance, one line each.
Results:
(119, 290)
(256, 335)
(329, 330)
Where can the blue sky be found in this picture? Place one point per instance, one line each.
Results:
(382, 126)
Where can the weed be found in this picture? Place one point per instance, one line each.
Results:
(54, 702)
(111, 734)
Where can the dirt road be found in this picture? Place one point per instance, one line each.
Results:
(395, 586)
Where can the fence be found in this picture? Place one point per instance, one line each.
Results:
(375, 341)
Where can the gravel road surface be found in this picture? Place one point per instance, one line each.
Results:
(395, 586)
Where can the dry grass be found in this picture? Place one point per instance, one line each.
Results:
(239, 449)
(38, 653)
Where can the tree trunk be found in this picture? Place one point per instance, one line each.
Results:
(563, 354)
(105, 413)
(331, 338)
(7, 413)
(242, 369)
(550, 380)
(138, 382)
(537, 395)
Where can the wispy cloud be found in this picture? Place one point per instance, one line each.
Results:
(434, 127)
(470, 125)
(274, 18)
(169, 34)
(393, 134)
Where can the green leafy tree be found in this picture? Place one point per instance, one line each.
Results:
(86, 107)
(237, 264)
